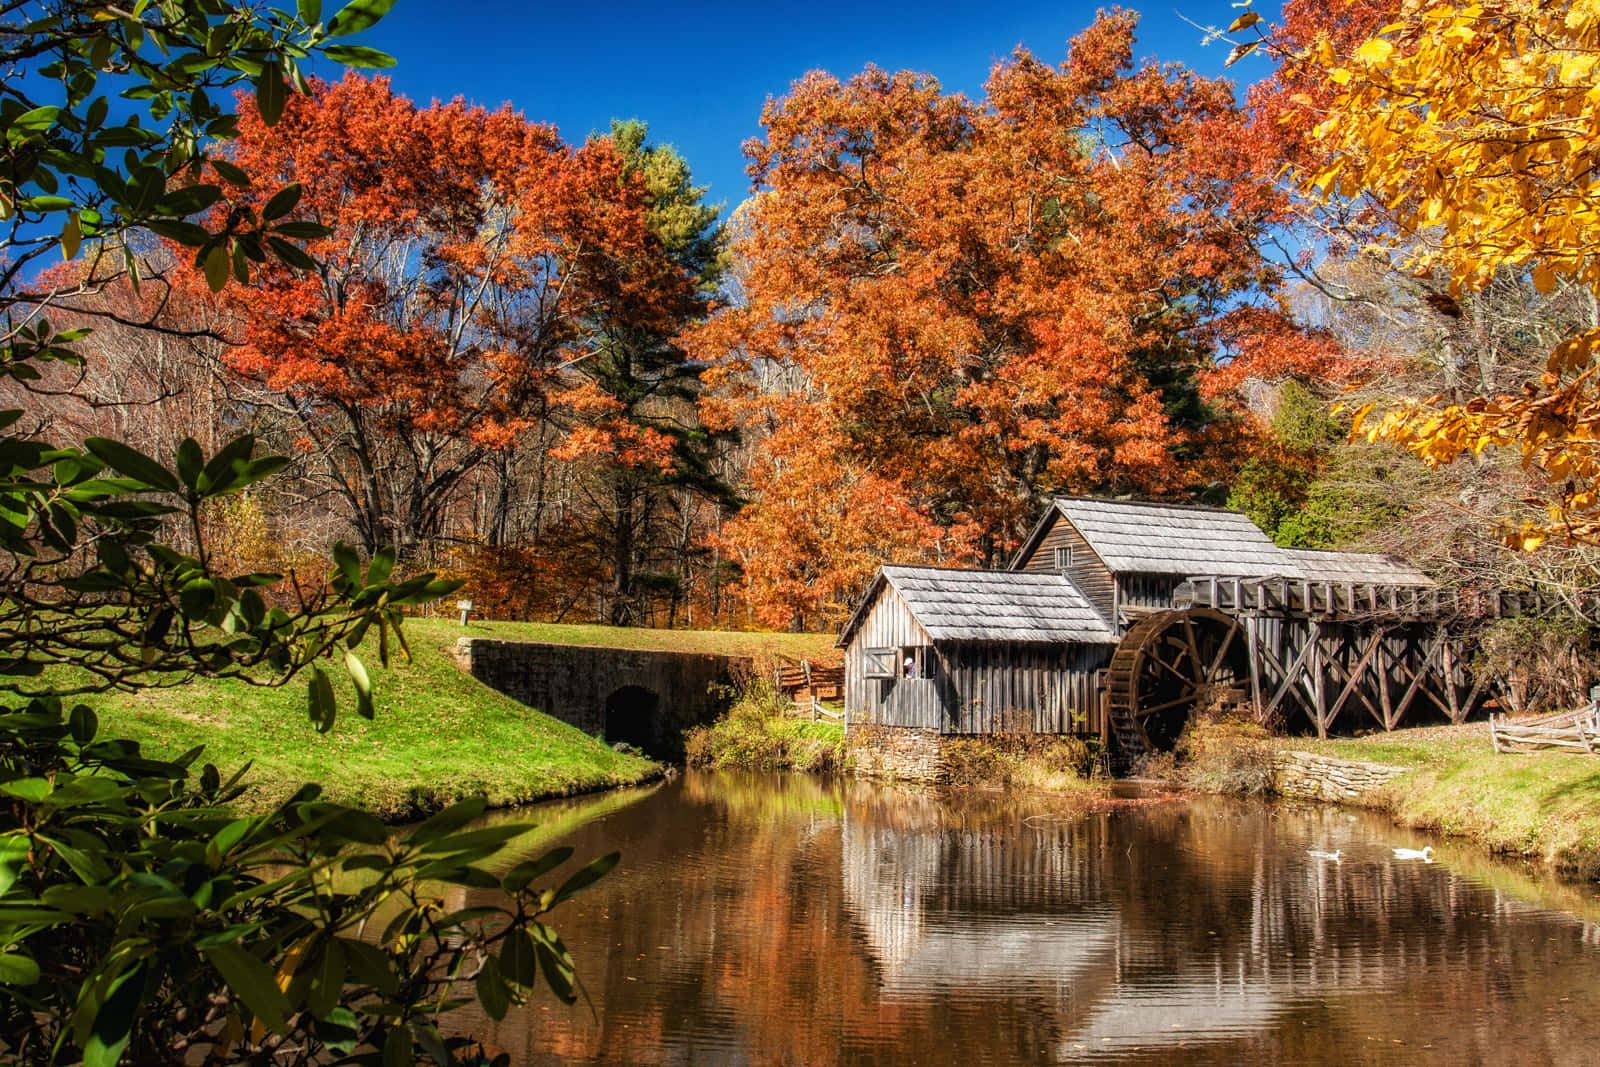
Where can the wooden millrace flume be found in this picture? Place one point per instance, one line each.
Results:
(1167, 665)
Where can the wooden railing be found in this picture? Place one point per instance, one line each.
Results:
(805, 686)
(1297, 596)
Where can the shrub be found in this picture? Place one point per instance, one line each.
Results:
(756, 734)
(1227, 754)
(1540, 664)
(975, 761)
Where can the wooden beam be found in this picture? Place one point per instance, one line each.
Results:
(1354, 676)
(1222, 652)
(1472, 694)
(1456, 715)
(1252, 641)
(1361, 693)
(1387, 716)
(1292, 674)
(1319, 677)
(1417, 676)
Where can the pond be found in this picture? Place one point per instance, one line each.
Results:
(790, 920)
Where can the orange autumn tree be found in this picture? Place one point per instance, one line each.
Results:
(471, 254)
(970, 306)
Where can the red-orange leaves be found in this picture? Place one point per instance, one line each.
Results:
(1262, 345)
(471, 254)
(972, 305)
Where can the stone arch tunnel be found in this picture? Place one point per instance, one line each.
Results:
(644, 698)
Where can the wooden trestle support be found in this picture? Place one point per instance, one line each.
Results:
(1301, 655)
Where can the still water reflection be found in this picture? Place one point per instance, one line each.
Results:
(788, 920)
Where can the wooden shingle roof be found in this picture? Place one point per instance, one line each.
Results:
(967, 605)
(1135, 537)
(1361, 567)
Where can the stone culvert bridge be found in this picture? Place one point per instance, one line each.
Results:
(647, 699)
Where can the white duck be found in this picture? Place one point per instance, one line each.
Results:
(1424, 854)
(1337, 855)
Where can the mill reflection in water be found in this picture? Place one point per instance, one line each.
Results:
(790, 920)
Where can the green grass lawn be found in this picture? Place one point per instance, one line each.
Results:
(1544, 804)
(438, 735)
(818, 648)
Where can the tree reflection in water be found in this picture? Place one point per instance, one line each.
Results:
(771, 919)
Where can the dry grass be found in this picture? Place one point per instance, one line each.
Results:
(1034, 762)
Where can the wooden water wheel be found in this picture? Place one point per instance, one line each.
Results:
(1165, 667)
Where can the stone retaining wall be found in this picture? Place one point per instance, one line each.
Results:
(913, 755)
(646, 698)
(1313, 777)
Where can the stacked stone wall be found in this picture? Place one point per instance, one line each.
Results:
(913, 755)
(897, 752)
(1313, 777)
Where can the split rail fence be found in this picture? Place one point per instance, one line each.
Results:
(1579, 729)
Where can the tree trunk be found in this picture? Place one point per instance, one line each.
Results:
(622, 613)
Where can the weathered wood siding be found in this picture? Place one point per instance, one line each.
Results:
(889, 624)
(1087, 572)
(1040, 688)
(1147, 591)
(974, 687)
(919, 703)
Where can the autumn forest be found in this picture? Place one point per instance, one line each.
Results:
(553, 369)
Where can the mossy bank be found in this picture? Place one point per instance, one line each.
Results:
(437, 735)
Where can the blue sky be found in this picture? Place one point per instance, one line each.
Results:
(699, 74)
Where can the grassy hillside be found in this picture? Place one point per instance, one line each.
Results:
(1542, 805)
(438, 735)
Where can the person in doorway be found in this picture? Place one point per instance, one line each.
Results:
(910, 666)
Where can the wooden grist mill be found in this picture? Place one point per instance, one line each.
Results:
(1122, 619)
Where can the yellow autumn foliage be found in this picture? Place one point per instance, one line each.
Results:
(1478, 126)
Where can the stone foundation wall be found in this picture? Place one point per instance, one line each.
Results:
(576, 683)
(912, 755)
(1312, 777)
(896, 752)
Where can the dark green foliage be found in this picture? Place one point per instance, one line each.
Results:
(641, 506)
(1307, 488)
(77, 177)
(139, 916)
(131, 896)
